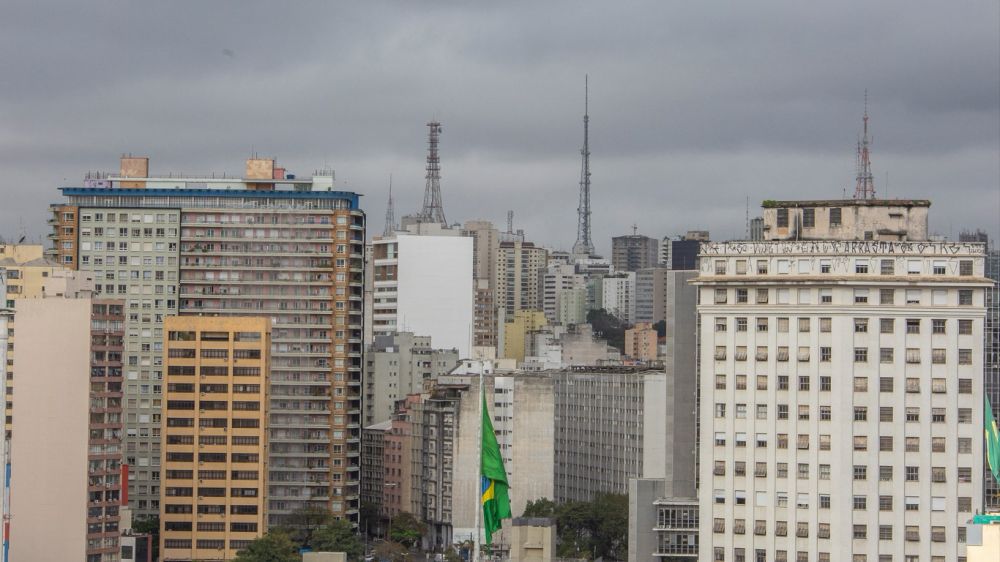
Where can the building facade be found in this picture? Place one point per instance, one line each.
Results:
(634, 252)
(618, 295)
(424, 284)
(840, 417)
(991, 365)
(641, 342)
(214, 483)
(263, 243)
(520, 268)
(398, 365)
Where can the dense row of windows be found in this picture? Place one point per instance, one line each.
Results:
(938, 297)
(861, 266)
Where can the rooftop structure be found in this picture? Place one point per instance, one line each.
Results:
(847, 219)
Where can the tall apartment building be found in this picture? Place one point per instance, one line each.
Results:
(634, 252)
(840, 417)
(214, 483)
(556, 280)
(397, 365)
(682, 252)
(29, 276)
(520, 267)
(266, 243)
(65, 446)
(423, 283)
(485, 245)
(641, 342)
(650, 286)
(618, 295)
(991, 364)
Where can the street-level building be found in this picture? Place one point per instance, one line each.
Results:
(840, 415)
(214, 480)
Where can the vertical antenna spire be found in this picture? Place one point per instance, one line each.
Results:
(584, 245)
(390, 213)
(865, 187)
(433, 210)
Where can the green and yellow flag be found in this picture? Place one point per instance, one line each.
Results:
(992, 435)
(496, 501)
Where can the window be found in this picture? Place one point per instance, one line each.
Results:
(762, 411)
(741, 267)
(783, 325)
(913, 474)
(885, 443)
(885, 473)
(860, 502)
(741, 296)
(762, 324)
(808, 218)
(741, 353)
(802, 442)
(885, 384)
(885, 355)
(860, 266)
(761, 296)
(913, 296)
(741, 324)
(720, 267)
(720, 410)
(964, 445)
(825, 413)
(782, 382)
(782, 218)
(824, 472)
(860, 472)
(720, 296)
(913, 267)
(739, 526)
(912, 325)
(720, 382)
(720, 324)
(804, 411)
(938, 267)
(825, 265)
(964, 474)
(860, 296)
(824, 501)
(860, 443)
(913, 355)
(965, 327)
(937, 415)
(965, 268)
(938, 356)
(861, 325)
(720, 468)
(911, 503)
(761, 382)
(938, 474)
(939, 386)
(937, 326)
(860, 413)
(885, 414)
(760, 471)
(826, 296)
(965, 297)
(860, 384)
(860, 354)
(965, 357)
(825, 325)
(720, 439)
(762, 353)
(965, 415)
(825, 382)
(885, 532)
(886, 325)
(761, 267)
(720, 352)
(860, 531)
(782, 439)
(835, 216)
(885, 503)
(887, 267)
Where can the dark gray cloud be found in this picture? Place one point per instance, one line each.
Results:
(694, 108)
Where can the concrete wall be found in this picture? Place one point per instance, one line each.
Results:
(435, 292)
(49, 442)
(860, 220)
(642, 518)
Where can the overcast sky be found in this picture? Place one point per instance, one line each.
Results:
(695, 106)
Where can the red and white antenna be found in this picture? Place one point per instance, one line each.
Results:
(865, 188)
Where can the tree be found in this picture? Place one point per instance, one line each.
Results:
(609, 327)
(407, 529)
(338, 536)
(610, 531)
(149, 526)
(274, 546)
(392, 551)
(542, 507)
(369, 519)
(303, 523)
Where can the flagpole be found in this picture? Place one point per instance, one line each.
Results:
(479, 467)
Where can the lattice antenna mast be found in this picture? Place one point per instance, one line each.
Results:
(584, 245)
(390, 213)
(433, 210)
(865, 188)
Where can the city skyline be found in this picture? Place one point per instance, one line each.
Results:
(705, 110)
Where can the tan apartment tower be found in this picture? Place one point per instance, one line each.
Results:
(214, 480)
(261, 243)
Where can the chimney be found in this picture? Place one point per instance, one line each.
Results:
(133, 167)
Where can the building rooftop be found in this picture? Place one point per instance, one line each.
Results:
(773, 204)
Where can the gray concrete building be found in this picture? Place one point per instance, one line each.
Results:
(634, 252)
(397, 365)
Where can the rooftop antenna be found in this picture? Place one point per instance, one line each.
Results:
(510, 221)
(390, 213)
(433, 210)
(584, 245)
(635, 229)
(865, 187)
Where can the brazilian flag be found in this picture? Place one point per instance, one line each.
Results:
(992, 435)
(496, 501)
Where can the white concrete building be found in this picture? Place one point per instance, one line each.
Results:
(841, 407)
(618, 295)
(424, 284)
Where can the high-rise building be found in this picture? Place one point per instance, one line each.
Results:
(423, 283)
(267, 243)
(555, 280)
(516, 329)
(634, 252)
(618, 295)
(641, 342)
(399, 364)
(991, 365)
(682, 252)
(65, 446)
(520, 269)
(485, 245)
(840, 417)
(214, 483)
(650, 287)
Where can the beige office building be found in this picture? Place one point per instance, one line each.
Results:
(214, 482)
